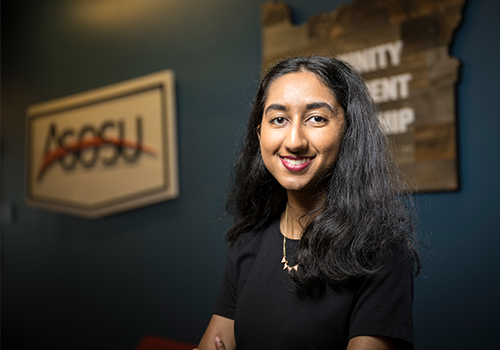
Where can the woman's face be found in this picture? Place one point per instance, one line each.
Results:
(301, 131)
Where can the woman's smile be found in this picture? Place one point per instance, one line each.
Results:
(296, 163)
(301, 131)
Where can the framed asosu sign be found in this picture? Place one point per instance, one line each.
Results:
(106, 150)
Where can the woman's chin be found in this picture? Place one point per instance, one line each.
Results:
(299, 186)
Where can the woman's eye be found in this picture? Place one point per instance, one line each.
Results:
(317, 119)
(279, 120)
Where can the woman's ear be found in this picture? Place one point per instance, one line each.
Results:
(258, 131)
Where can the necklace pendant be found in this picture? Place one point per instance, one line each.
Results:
(288, 267)
(284, 261)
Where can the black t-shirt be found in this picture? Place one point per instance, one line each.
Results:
(259, 296)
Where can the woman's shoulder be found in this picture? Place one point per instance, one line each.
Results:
(396, 258)
(251, 242)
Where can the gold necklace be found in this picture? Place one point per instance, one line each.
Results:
(284, 260)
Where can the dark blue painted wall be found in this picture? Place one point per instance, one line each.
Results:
(70, 283)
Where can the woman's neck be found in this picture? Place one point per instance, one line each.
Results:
(295, 217)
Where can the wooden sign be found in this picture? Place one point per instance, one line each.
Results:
(401, 48)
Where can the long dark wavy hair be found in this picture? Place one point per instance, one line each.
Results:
(366, 208)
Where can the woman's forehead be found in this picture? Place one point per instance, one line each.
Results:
(299, 87)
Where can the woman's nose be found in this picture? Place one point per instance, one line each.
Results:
(296, 139)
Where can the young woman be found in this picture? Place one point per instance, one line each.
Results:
(322, 254)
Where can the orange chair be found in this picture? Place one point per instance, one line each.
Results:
(153, 342)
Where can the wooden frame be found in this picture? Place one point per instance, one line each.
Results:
(106, 150)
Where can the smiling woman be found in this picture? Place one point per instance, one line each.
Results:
(315, 188)
(301, 131)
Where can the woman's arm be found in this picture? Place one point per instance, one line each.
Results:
(221, 327)
(366, 342)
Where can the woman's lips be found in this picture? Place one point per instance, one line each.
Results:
(295, 163)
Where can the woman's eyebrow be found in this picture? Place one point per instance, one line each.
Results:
(275, 107)
(316, 105)
(309, 106)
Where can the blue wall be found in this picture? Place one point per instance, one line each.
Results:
(70, 283)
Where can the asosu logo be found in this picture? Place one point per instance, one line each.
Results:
(69, 147)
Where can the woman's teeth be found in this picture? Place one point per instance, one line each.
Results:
(297, 161)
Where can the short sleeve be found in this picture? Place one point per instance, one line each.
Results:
(225, 304)
(239, 263)
(383, 301)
